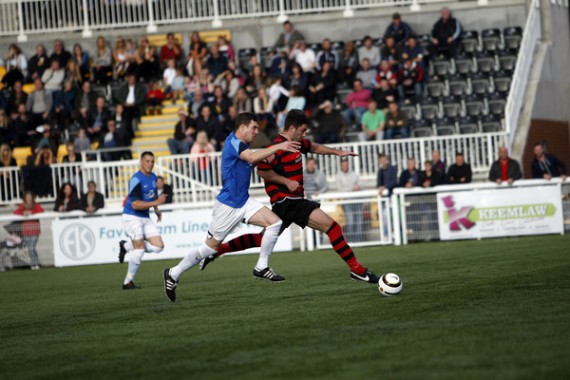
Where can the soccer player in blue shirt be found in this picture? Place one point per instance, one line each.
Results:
(234, 205)
(136, 219)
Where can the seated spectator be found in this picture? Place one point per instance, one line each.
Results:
(48, 139)
(17, 97)
(63, 104)
(71, 156)
(391, 52)
(349, 63)
(216, 62)
(92, 200)
(384, 94)
(6, 130)
(120, 58)
(23, 128)
(386, 73)
(327, 55)
(411, 177)
(197, 54)
(197, 103)
(82, 143)
(396, 122)
(411, 79)
(37, 64)
(430, 177)
(505, 169)
(460, 172)
(228, 125)
(67, 199)
(12, 76)
(296, 100)
(398, 29)
(85, 101)
(201, 165)
(145, 65)
(330, 123)
(438, 165)
(387, 176)
(289, 37)
(209, 123)
(228, 82)
(299, 79)
(177, 87)
(220, 104)
(263, 108)
(323, 85)
(314, 180)
(226, 49)
(445, 35)
(81, 59)
(373, 123)
(39, 104)
(304, 56)
(98, 119)
(15, 58)
(184, 134)
(31, 228)
(256, 80)
(414, 51)
(53, 77)
(154, 99)
(132, 96)
(242, 102)
(280, 65)
(112, 139)
(369, 51)
(357, 102)
(206, 82)
(102, 65)
(163, 188)
(546, 165)
(367, 74)
(125, 132)
(60, 54)
(171, 50)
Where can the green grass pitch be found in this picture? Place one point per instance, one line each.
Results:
(493, 309)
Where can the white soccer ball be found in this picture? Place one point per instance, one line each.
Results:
(390, 284)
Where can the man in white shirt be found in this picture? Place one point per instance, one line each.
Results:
(53, 77)
(304, 56)
(369, 51)
(347, 180)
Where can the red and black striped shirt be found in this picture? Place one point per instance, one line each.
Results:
(288, 165)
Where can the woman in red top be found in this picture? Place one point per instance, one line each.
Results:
(30, 227)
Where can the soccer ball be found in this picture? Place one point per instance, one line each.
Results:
(390, 284)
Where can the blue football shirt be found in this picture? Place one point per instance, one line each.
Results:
(141, 188)
(236, 173)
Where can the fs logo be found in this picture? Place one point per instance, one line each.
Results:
(457, 217)
(77, 242)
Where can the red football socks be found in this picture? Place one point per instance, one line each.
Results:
(343, 249)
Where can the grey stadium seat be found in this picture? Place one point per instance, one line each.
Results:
(512, 36)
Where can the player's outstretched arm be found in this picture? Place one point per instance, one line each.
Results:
(255, 157)
(271, 176)
(323, 149)
(142, 205)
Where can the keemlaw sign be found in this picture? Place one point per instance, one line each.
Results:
(500, 212)
(95, 240)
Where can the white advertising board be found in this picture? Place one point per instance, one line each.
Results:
(501, 212)
(95, 240)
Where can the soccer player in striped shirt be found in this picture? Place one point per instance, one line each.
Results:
(283, 175)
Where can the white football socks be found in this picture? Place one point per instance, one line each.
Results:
(268, 242)
(192, 258)
(134, 263)
(147, 247)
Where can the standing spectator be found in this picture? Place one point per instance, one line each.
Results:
(67, 199)
(373, 123)
(39, 104)
(349, 63)
(31, 229)
(8, 183)
(102, 65)
(411, 79)
(445, 35)
(242, 102)
(368, 50)
(367, 74)
(438, 165)
(314, 180)
(391, 52)
(505, 169)
(411, 177)
(17, 97)
(171, 50)
(396, 122)
(201, 165)
(184, 134)
(112, 139)
(92, 200)
(81, 58)
(323, 85)
(330, 124)
(133, 97)
(53, 77)
(304, 56)
(120, 58)
(398, 29)
(289, 36)
(168, 75)
(547, 166)
(22, 127)
(430, 177)
(98, 119)
(460, 172)
(347, 180)
(226, 49)
(387, 176)
(60, 54)
(216, 62)
(163, 188)
(38, 63)
(384, 94)
(327, 55)
(154, 99)
(15, 58)
(196, 55)
(357, 102)
(177, 87)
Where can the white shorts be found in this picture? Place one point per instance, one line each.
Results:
(226, 218)
(138, 228)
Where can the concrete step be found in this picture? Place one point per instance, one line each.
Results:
(152, 127)
(158, 118)
(155, 133)
(151, 140)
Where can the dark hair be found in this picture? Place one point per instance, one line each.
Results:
(287, 23)
(245, 118)
(458, 153)
(160, 177)
(296, 118)
(91, 182)
(396, 16)
(367, 38)
(170, 34)
(537, 144)
(147, 153)
(382, 155)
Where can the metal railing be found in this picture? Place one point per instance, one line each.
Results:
(530, 38)
(22, 17)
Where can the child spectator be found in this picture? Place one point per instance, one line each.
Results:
(154, 99)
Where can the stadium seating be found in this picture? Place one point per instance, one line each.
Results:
(21, 155)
